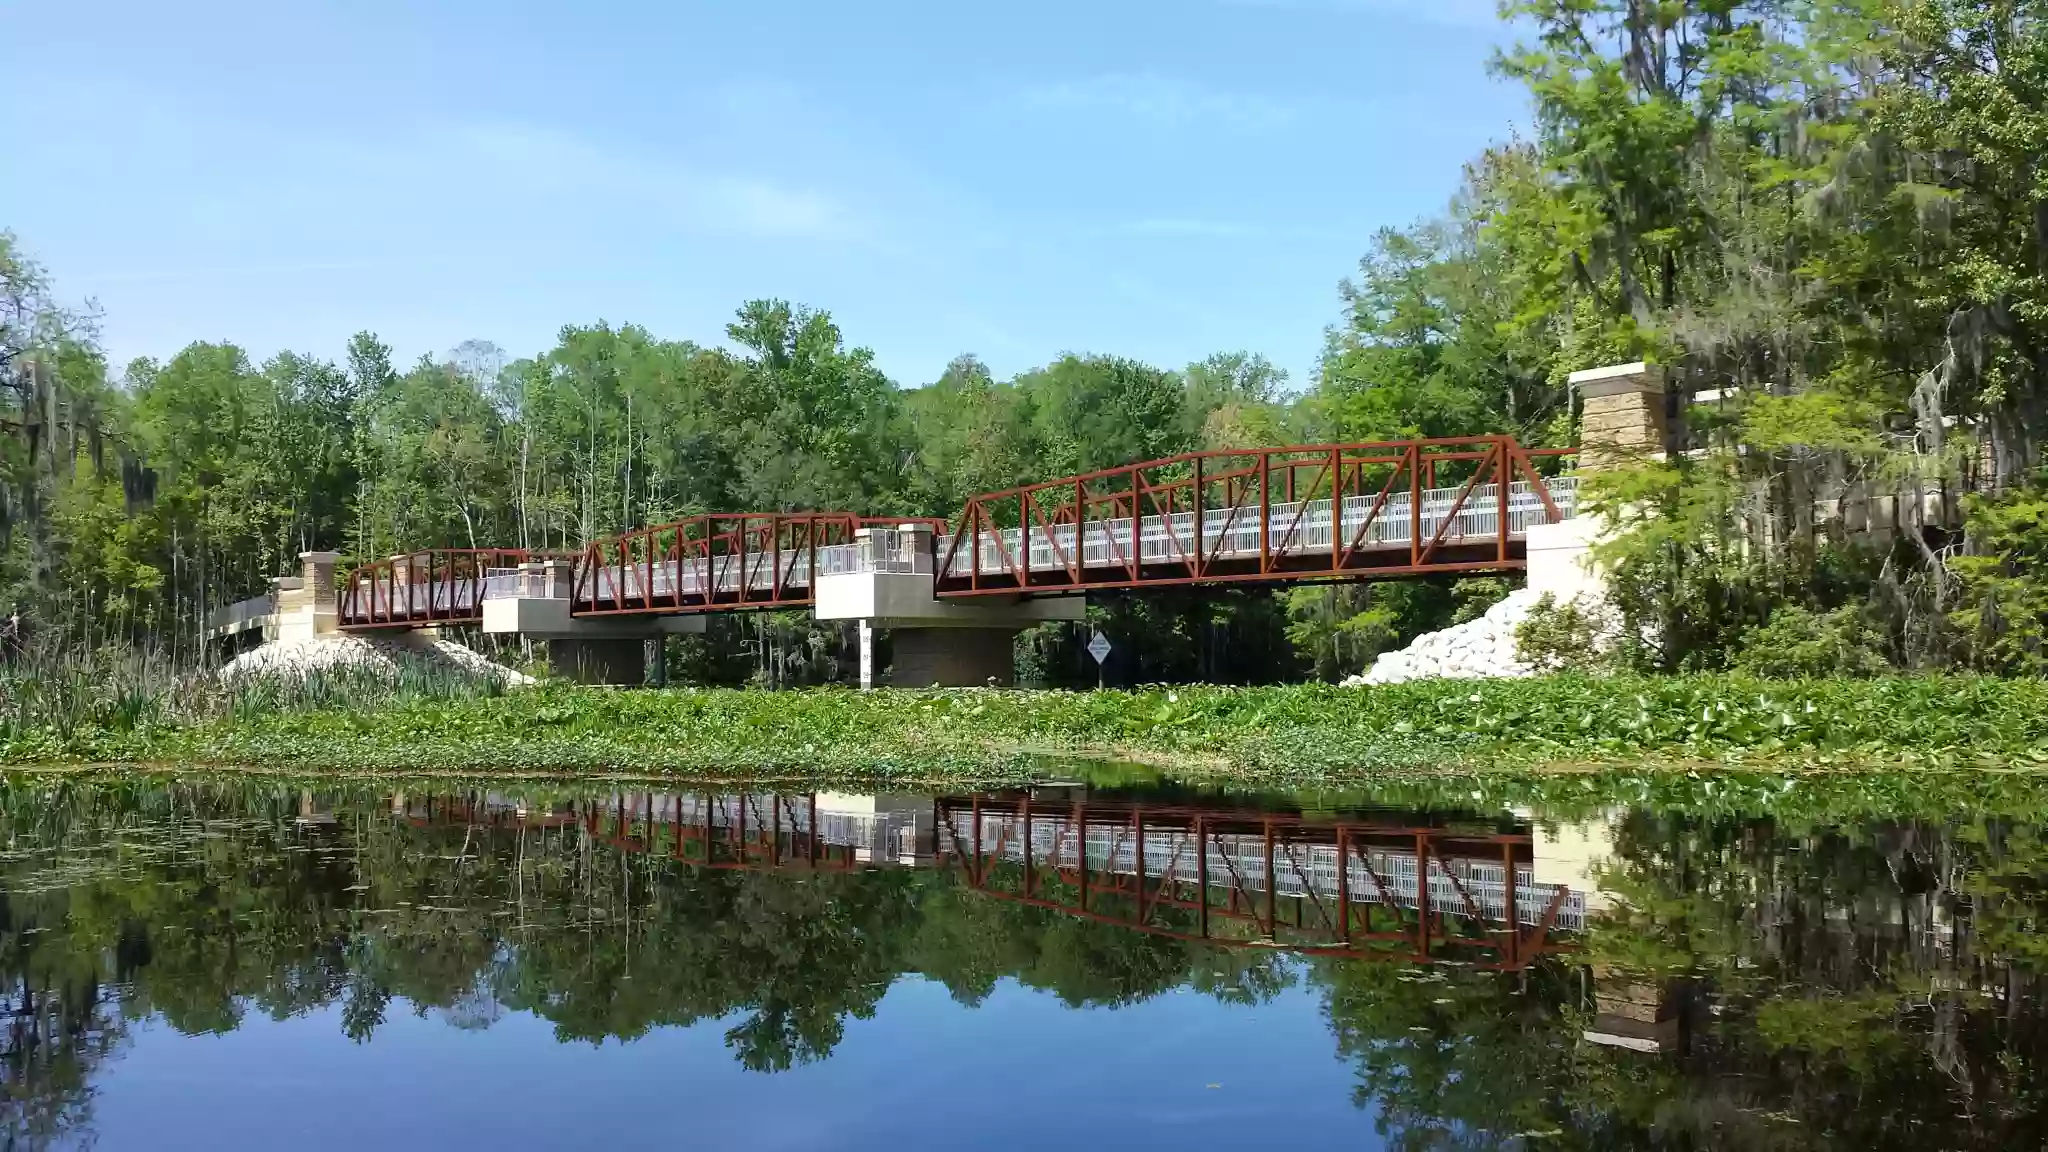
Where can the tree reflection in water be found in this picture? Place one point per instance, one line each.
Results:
(1739, 982)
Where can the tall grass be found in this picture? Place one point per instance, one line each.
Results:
(355, 688)
(62, 694)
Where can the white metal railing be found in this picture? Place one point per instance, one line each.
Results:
(1297, 528)
(403, 599)
(242, 611)
(507, 584)
(699, 576)
(882, 833)
(897, 551)
(839, 560)
(1300, 870)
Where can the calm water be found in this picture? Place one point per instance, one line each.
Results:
(201, 964)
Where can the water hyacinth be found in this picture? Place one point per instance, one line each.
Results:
(424, 720)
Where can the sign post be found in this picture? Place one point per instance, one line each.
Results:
(1098, 647)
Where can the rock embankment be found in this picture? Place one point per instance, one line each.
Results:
(1475, 650)
(339, 651)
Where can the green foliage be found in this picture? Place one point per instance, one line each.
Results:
(1797, 641)
(1689, 588)
(2004, 581)
(129, 698)
(1341, 629)
(1558, 637)
(1292, 732)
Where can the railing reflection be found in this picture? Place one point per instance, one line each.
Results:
(1378, 886)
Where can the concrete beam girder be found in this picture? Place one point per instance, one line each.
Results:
(548, 618)
(906, 600)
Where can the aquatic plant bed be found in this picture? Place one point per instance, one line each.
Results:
(1316, 730)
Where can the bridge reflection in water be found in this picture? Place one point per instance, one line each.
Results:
(1377, 886)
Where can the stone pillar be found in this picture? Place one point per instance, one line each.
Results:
(953, 657)
(321, 594)
(318, 570)
(605, 661)
(1640, 1013)
(1622, 421)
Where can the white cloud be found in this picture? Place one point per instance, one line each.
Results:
(90, 278)
(1217, 229)
(1161, 99)
(1480, 15)
(548, 161)
(763, 208)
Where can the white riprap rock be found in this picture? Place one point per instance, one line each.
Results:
(1478, 649)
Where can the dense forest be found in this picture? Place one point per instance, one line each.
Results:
(1825, 218)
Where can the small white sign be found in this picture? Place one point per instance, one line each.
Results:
(1098, 647)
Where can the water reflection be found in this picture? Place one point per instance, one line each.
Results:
(1601, 977)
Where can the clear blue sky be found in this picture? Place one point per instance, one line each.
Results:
(1016, 178)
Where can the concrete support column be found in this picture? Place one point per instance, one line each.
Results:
(867, 654)
(1622, 421)
(599, 661)
(953, 657)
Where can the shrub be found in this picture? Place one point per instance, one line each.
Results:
(1798, 642)
(1556, 637)
(2003, 581)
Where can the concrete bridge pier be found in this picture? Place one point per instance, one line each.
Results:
(593, 661)
(943, 643)
(582, 649)
(952, 657)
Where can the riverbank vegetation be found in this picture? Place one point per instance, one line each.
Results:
(1283, 734)
(1822, 220)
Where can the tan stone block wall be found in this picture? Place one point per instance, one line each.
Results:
(1620, 429)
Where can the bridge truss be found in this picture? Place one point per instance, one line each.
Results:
(1299, 513)
(1361, 889)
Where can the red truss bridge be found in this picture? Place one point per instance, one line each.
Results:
(1366, 511)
